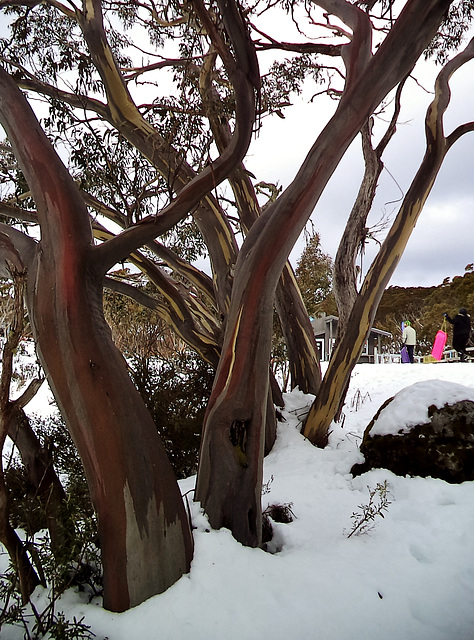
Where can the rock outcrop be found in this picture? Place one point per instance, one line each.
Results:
(442, 448)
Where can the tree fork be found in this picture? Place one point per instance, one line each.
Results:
(295, 323)
(16, 549)
(269, 242)
(144, 531)
(347, 351)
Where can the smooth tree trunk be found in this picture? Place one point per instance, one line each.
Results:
(297, 330)
(145, 537)
(225, 477)
(230, 467)
(361, 319)
(303, 357)
(144, 534)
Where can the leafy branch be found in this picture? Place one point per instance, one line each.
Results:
(364, 521)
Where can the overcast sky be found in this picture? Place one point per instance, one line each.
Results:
(442, 243)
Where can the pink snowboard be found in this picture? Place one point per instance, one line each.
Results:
(439, 344)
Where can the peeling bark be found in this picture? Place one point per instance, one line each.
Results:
(269, 242)
(363, 312)
(354, 236)
(145, 537)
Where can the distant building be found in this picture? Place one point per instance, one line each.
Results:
(325, 330)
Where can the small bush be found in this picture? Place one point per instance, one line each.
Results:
(76, 563)
(364, 521)
(176, 393)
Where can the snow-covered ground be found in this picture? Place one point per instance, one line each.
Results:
(410, 578)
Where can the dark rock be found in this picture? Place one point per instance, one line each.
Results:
(442, 448)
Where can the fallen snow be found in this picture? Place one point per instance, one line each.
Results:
(410, 578)
(410, 406)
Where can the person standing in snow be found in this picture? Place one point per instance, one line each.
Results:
(461, 331)
(409, 339)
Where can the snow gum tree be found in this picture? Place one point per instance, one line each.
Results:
(236, 412)
(144, 532)
(115, 163)
(137, 500)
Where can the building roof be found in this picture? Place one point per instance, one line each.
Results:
(319, 326)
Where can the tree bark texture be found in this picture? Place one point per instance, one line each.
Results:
(144, 532)
(363, 312)
(296, 326)
(265, 250)
(17, 550)
(123, 114)
(143, 529)
(355, 234)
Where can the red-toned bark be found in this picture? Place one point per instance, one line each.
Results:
(144, 532)
(145, 537)
(299, 337)
(239, 394)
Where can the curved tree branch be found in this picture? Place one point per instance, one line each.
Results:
(146, 543)
(12, 211)
(296, 326)
(199, 279)
(362, 316)
(28, 577)
(345, 276)
(123, 110)
(15, 248)
(207, 214)
(201, 343)
(357, 53)
(239, 400)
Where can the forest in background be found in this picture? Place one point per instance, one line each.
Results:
(100, 179)
(423, 306)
